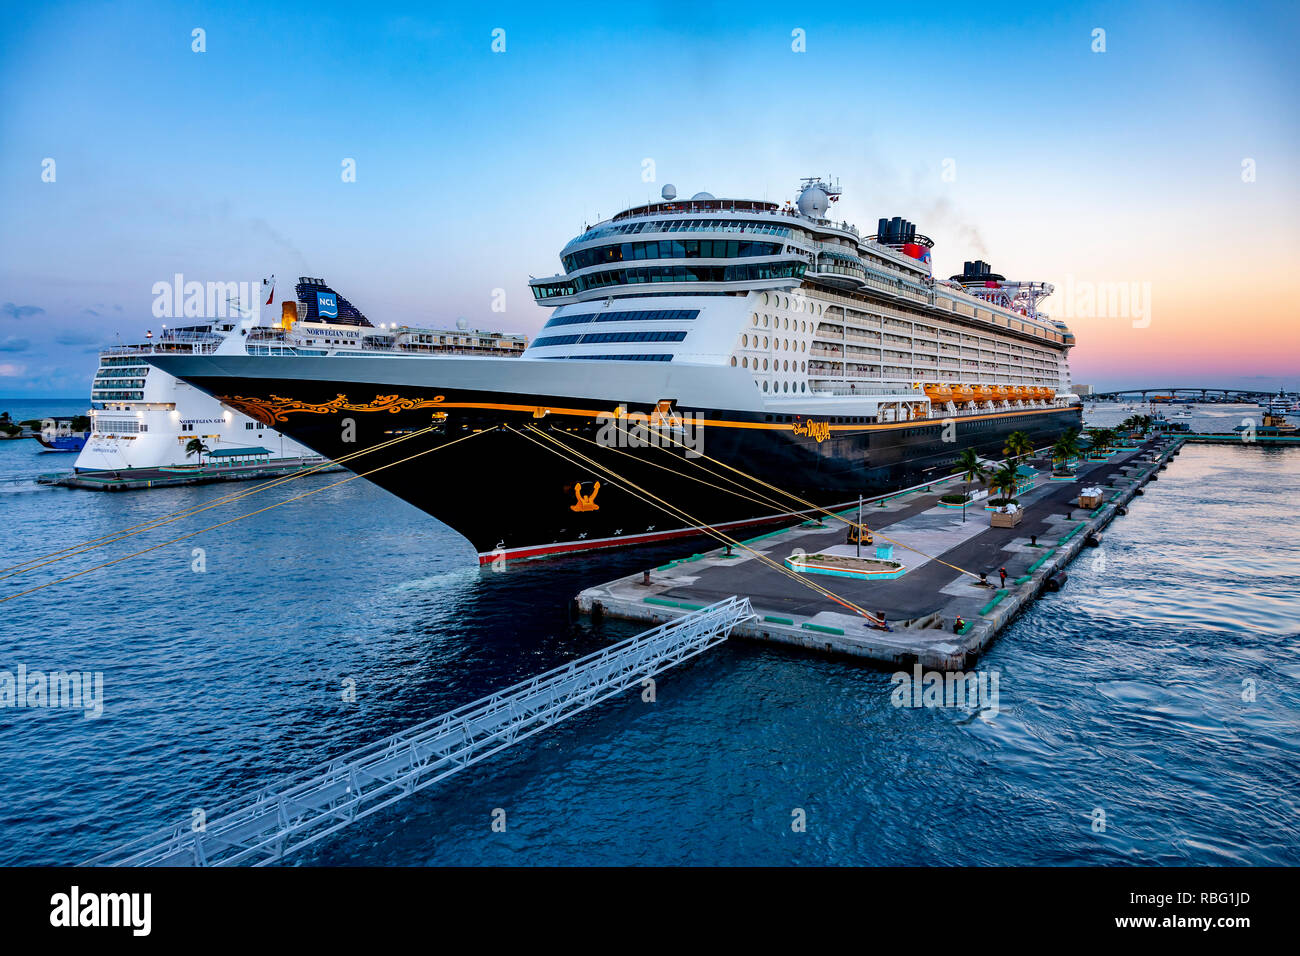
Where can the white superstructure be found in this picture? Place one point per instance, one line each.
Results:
(809, 307)
(141, 417)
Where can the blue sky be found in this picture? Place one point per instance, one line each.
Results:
(475, 167)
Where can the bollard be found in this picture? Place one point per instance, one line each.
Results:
(1033, 540)
(645, 577)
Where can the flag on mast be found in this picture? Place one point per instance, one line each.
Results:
(268, 287)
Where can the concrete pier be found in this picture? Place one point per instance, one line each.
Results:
(922, 605)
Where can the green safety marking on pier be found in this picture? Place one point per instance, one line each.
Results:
(778, 620)
(965, 627)
(1023, 578)
(997, 598)
(809, 626)
(660, 601)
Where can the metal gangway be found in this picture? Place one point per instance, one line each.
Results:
(314, 803)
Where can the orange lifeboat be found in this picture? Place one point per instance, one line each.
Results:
(938, 393)
(1017, 393)
(1001, 393)
(962, 394)
(1048, 394)
(984, 393)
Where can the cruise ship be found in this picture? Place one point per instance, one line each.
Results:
(820, 363)
(143, 418)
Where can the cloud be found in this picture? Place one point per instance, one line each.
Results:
(20, 311)
(10, 370)
(78, 338)
(12, 344)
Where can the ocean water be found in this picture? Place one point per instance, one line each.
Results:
(1161, 688)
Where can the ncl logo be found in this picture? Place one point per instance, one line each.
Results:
(327, 306)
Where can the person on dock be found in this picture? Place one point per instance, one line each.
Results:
(1003, 573)
(958, 624)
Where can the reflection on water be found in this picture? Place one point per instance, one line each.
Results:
(1123, 693)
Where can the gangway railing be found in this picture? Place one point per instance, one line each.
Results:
(315, 803)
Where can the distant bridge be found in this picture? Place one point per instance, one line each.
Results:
(1251, 393)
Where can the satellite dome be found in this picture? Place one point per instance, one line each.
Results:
(813, 202)
(702, 196)
(669, 191)
(462, 324)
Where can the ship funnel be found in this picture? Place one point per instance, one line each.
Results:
(288, 314)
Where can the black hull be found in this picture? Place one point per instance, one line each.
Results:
(514, 496)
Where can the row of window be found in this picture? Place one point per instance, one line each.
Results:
(669, 249)
(616, 358)
(747, 272)
(601, 338)
(683, 225)
(625, 315)
(124, 360)
(106, 426)
(104, 382)
(102, 396)
(778, 365)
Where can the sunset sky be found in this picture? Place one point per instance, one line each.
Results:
(1167, 163)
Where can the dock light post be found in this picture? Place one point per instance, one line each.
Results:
(859, 526)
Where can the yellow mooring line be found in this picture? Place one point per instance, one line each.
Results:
(659, 503)
(306, 494)
(100, 542)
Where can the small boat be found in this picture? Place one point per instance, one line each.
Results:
(57, 435)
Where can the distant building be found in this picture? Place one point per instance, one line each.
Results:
(1082, 389)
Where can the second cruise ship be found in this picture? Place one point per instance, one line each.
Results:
(819, 363)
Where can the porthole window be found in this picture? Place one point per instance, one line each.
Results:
(755, 320)
(733, 361)
(744, 363)
(765, 341)
(744, 341)
(764, 365)
(787, 324)
(765, 386)
(803, 386)
(787, 345)
(804, 348)
(786, 365)
(785, 386)
(764, 298)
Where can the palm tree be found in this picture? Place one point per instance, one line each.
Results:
(1065, 448)
(1018, 445)
(195, 446)
(1005, 480)
(972, 470)
(1102, 438)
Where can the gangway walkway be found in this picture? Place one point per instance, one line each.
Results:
(314, 803)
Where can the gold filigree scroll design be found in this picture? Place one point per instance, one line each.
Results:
(268, 411)
(586, 502)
